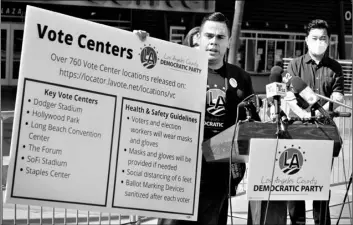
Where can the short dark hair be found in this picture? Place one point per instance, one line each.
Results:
(318, 24)
(216, 17)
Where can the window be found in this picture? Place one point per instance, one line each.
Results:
(176, 34)
(333, 50)
(16, 52)
(261, 50)
(11, 46)
(348, 45)
(5, 33)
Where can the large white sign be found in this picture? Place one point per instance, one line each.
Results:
(298, 170)
(105, 122)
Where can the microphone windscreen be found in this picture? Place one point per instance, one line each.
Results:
(301, 102)
(276, 74)
(298, 84)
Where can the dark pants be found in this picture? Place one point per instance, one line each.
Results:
(321, 212)
(213, 199)
(213, 210)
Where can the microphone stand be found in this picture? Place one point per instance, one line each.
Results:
(282, 127)
(333, 101)
(344, 200)
(281, 133)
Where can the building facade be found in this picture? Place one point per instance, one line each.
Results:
(271, 29)
(275, 29)
(157, 17)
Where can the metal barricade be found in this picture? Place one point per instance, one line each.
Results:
(28, 214)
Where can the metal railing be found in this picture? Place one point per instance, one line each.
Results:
(26, 214)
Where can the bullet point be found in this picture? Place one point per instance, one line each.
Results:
(125, 149)
(29, 100)
(128, 118)
(122, 182)
(21, 169)
(23, 157)
(27, 112)
(123, 171)
(24, 146)
(26, 123)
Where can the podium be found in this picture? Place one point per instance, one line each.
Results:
(237, 138)
(217, 149)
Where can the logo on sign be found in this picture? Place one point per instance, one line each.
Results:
(291, 160)
(287, 78)
(281, 88)
(148, 57)
(275, 88)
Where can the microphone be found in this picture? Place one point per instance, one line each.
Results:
(276, 74)
(258, 103)
(301, 88)
(290, 107)
(301, 102)
(246, 106)
(276, 89)
(313, 118)
(286, 78)
(339, 114)
(283, 116)
(252, 105)
(304, 91)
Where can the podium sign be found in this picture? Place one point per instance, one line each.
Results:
(301, 169)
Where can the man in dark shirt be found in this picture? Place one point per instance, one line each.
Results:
(323, 75)
(227, 86)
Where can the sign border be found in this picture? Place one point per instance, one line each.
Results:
(197, 157)
(18, 139)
